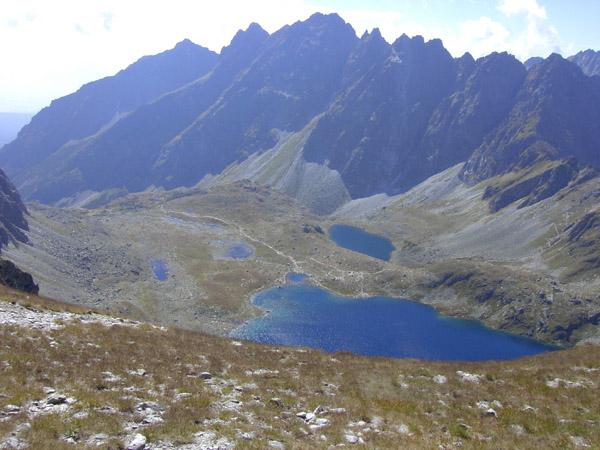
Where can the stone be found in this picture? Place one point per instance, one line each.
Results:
(319, 423)
(276, 445)
(277, 402)
(469, 377)
(137, 442)
(440, 379)
(491, 412)
(206, 375)
(12, 409)
(351, 438)
(578, 441)
(56, 399)
(403, 429)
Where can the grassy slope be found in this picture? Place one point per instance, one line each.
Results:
(398, 401)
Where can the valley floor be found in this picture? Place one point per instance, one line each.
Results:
(70, 378)
(449, 253)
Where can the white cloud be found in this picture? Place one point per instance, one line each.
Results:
(530, 32)
(479, 37)
(539, 38)
(531, 8)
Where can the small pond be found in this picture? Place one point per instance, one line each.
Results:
(358, 240)
(160, 269)
(239, 250)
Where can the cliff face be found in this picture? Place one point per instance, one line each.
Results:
(588, 60)
(12, 213)
(13, 226)
(386, 116)
(556, 116)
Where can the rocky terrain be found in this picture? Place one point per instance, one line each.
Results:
(71, 378)
(362, 117)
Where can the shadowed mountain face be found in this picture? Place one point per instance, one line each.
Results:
(556, 116)
(12, 213)
(96, 104)
(383, 116)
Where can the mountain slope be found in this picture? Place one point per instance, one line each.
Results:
(556, 116)
(588, 60)
(290, 82)
(384, 109)
(379, 117)
(91, 382)
(96, 104)
(13, 223)
(122, 155)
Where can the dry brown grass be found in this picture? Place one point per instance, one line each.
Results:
(73, 360)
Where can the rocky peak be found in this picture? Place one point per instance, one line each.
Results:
(588, 60)
(245, 40)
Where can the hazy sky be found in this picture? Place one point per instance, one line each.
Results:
(48, 48)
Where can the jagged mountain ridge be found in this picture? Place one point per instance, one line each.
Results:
(388, 116)
(96, 104)
(588, 60)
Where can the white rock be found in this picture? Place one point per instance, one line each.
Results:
(440, 379)
(137, 442)
(276, 445)
(319, 423)
(377, 421)
(310, 416)
(578, 441)
(12, 409)
(469, 377)
(490, 412)
(351, 438)
(403, 429)
(517, 429)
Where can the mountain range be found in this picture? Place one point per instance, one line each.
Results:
(368, 116)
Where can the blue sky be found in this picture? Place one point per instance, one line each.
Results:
(50, 48)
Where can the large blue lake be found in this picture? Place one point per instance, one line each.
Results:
(359, 240)
(307, 316)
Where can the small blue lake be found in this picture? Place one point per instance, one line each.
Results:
(295, 277)
(358, 240)
(160, 269)
(239, 251)
(307, 316)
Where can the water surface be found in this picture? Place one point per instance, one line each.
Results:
(296, 277)
(239, 251)
(160, 269)
(307, 316)
(358, 240)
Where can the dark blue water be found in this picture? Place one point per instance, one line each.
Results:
(160, 269)
(239, 251)
(360, 241)
(307, 316)
(295, 277)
